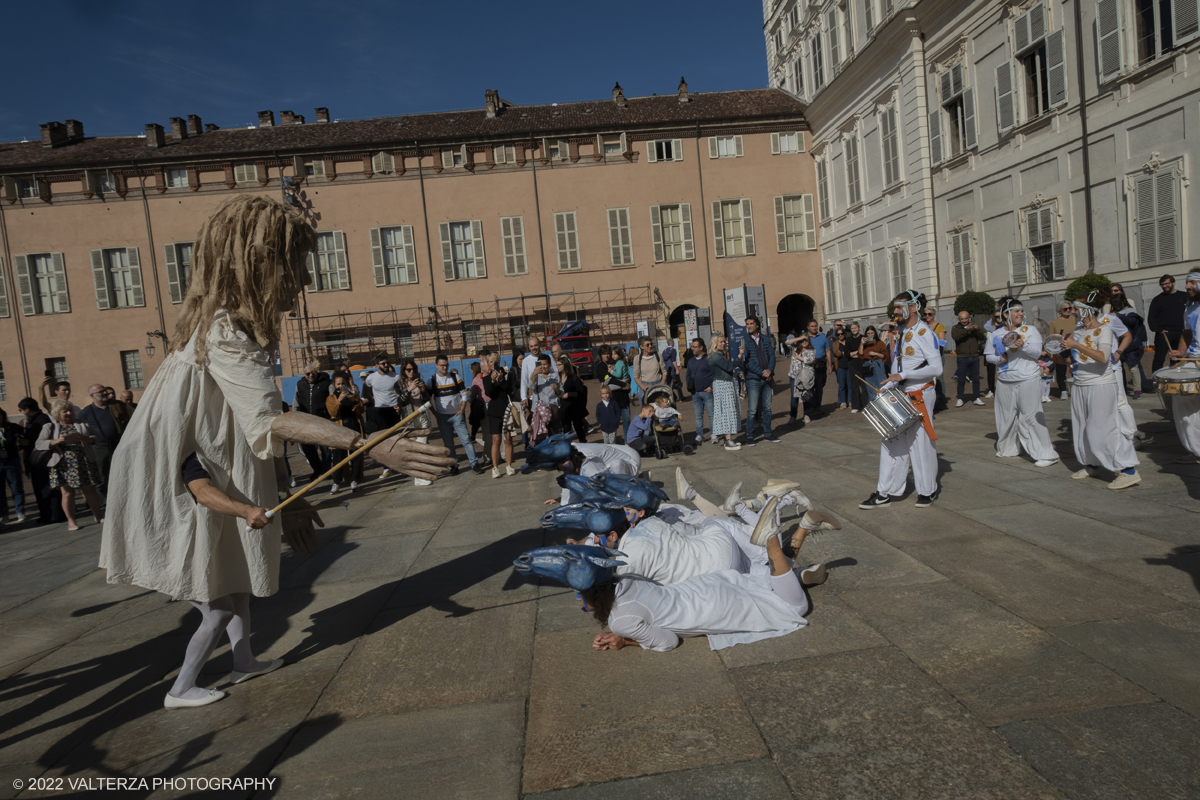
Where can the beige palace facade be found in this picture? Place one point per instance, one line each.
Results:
(443, 232)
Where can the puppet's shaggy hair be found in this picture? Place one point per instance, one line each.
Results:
(250, 260)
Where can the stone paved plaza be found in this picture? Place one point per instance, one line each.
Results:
(1028, 636)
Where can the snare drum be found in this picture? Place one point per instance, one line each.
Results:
(892, 413)
(1180, 379)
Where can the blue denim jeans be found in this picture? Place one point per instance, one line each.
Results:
(10, 468)
(758, 400)
(702, 401)
(451, 424)
(625, 419)
(843, 376)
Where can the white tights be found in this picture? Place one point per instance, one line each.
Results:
(229, 613)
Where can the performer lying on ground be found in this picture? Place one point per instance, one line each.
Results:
(728, 606)
(1186, 407)
(571, 458)
(215, 396)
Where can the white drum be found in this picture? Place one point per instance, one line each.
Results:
(892, 413)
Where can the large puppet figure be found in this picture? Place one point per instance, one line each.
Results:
(211, 418)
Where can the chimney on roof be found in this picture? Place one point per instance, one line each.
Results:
(54, 134)
(210, 127)
(178, 129)
(266, 119)
(154, 135)
(286, 118)
(619, 96)
(683, 93)
(491, 102)
(322, 115)
(74, 130)
(194, 125)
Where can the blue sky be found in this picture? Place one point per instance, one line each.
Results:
(116, 66)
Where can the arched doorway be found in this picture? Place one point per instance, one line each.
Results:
(676, 320)
(793, 313)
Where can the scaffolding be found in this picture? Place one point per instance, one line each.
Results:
(465, 330)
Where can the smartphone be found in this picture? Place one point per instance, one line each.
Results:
(49, 373)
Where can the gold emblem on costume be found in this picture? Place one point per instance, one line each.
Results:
(1087, 340)
(1104, 321)
(921, 332)
(1024, 328)
(908, 337)
(908, 351)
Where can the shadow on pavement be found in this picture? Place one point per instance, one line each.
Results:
(1184, 559)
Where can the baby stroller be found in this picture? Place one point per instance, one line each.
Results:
(667, 438)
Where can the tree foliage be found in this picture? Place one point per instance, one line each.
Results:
(975, 303)
(1086, 283)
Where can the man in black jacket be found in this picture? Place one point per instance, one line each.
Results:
(1165, 318)
(311, 393)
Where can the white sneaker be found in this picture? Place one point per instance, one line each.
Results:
(1124, 481)
(354, 486)
(819, 521)
(767, 526)
(1045, 463)
(1087, 472)
(384, 474)
(806, 419)
(683, 489)
(699, 440)
(978, 402)
(813, 575)
(509, 471)
(1065, 395)
(732, 445)
(333, 489)
(495, 472)
(292, 482)
(171, 701)
(421, 482)
(989, 395)
(959, 403)
(854, 411)
(734, 498)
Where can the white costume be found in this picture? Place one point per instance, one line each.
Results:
(1185, 408)
(155, 534)
(1094, 425)
(1020, 422)
(679, 543)
(1125, 418)
(918, 361)
(600, 458)
(729, 607)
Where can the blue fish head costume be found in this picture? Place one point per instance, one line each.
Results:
(578, 566)
(549, 453)
(585, 517)
(628, 491)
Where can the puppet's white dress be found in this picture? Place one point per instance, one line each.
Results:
(155, 534)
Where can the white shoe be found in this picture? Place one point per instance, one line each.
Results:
(333, 489)
(767, 526)
(732, 445)
(509, 471)
(778, 488)
(1045, 463)
(978, 402)
(384, 474)
(989, 395)
(421, 482)
(495, 472)
(1124, 481)
(734, 498)
(171, 701)
(819, 521)
(354, 486)
(813, 575)
(1086, 472)
(797, 499)
(683, 489)
(699, 440)
(1065, 395)
(854, 411)
(806, 419)
(959, 403)
(292, 482)
(242, 677)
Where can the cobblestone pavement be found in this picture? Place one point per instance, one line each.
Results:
(1028, 635)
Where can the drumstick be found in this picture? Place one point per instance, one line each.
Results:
(333, 471)
(864, 380)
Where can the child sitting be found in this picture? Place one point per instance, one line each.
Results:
(608, 416)
(639, 430)
(1047, 366)
(665, 417)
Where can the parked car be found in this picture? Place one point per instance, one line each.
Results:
(575, 342)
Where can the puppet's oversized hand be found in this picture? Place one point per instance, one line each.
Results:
(296, 426)
(298, 526)
(403, 454)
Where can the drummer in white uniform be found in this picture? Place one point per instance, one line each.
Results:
(1186, 407)
(914, 361)
(1094, 399)
(1014, 349)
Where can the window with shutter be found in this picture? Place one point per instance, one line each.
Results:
(1058, 260)
(861, 286)
(131, 369)
(100, 281)
(1018, 267)
(135, 293)
(1006, 107)
(689, 245)
(747, 228)
(393, 256)
(1156, 197)
(718, 230)
(817, 53)
(383, 163)
(1056, 69)
(725, 147)
(774, 144)
(1109, 48)
(315, 168)
(447, 159)
(477, 245)
(960, 259)
(1155, 23)
(935, 136)
(831, 297)
(823, 187)
(245, 172)
(656, 234)
(899, 264)
(1186, 20)
(620, 244)
(672, 232)
(869, 15)
(664, 150)
(327, 267)
(177, 179)
(567, 238)
(512, 232)
(831, 31)
(340, 261)
(4, 305)
(853, 179)
(889, 139)
(795, 226)
(447, 251)
(713, 151)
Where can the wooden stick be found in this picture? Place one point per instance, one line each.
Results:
(333, 471)
(864, 380)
